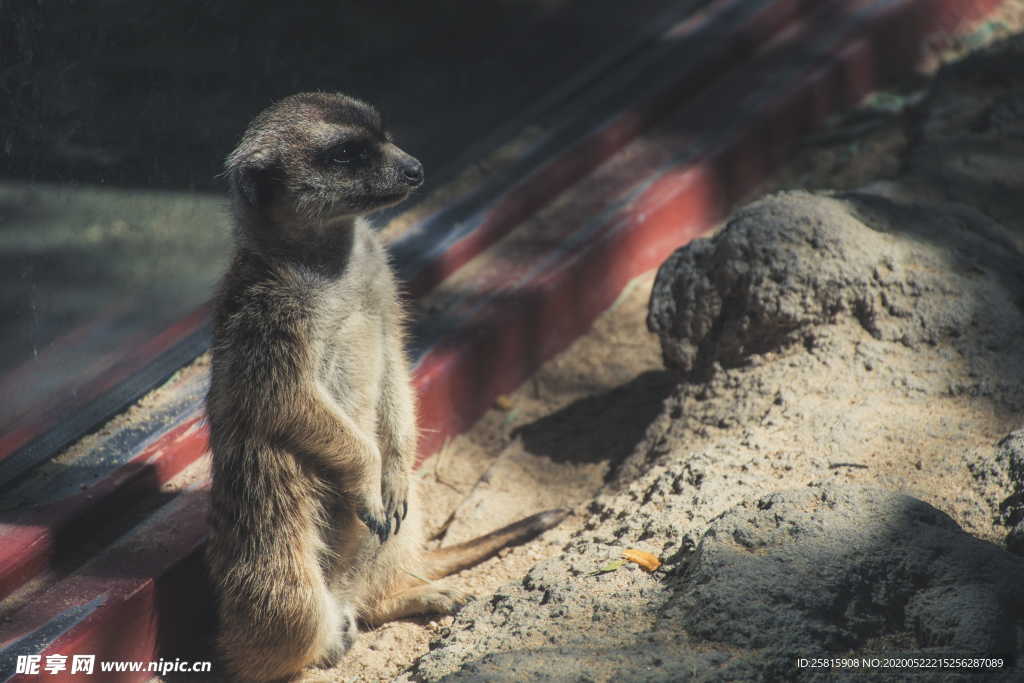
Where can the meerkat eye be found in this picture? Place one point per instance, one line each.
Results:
(348, 153)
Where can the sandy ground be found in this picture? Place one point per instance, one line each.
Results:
(560, 438)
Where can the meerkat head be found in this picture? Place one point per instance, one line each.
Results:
(314, 158)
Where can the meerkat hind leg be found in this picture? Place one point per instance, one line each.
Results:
(347, 630)
(412, 596)
(428, 598)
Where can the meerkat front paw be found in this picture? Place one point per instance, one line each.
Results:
(395, 493)
(371, 511)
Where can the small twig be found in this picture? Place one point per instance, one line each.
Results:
(837, 465)
(443, 529)
(437, 468)
(417, 576)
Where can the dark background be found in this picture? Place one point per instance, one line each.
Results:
(155, 94)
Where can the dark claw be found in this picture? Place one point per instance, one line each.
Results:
(405, 508)
(374, 526)
(398, 522)
(367, 520)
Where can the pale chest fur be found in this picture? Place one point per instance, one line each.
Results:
(352, 330)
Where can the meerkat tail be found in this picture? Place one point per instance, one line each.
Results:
(444, 561)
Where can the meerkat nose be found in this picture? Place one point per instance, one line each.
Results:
(412, 170)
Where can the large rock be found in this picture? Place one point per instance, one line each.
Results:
(795, 260)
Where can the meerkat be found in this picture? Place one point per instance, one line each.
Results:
(314, 520)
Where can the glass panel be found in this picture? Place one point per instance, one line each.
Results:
(116, 116)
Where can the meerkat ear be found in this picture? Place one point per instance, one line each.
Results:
(253, 178)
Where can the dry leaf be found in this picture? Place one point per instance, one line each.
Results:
(503, 402)
(610, 567)
(643, 558)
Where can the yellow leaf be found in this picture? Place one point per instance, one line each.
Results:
(643, 558)
(610, 567)
(503, 402)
